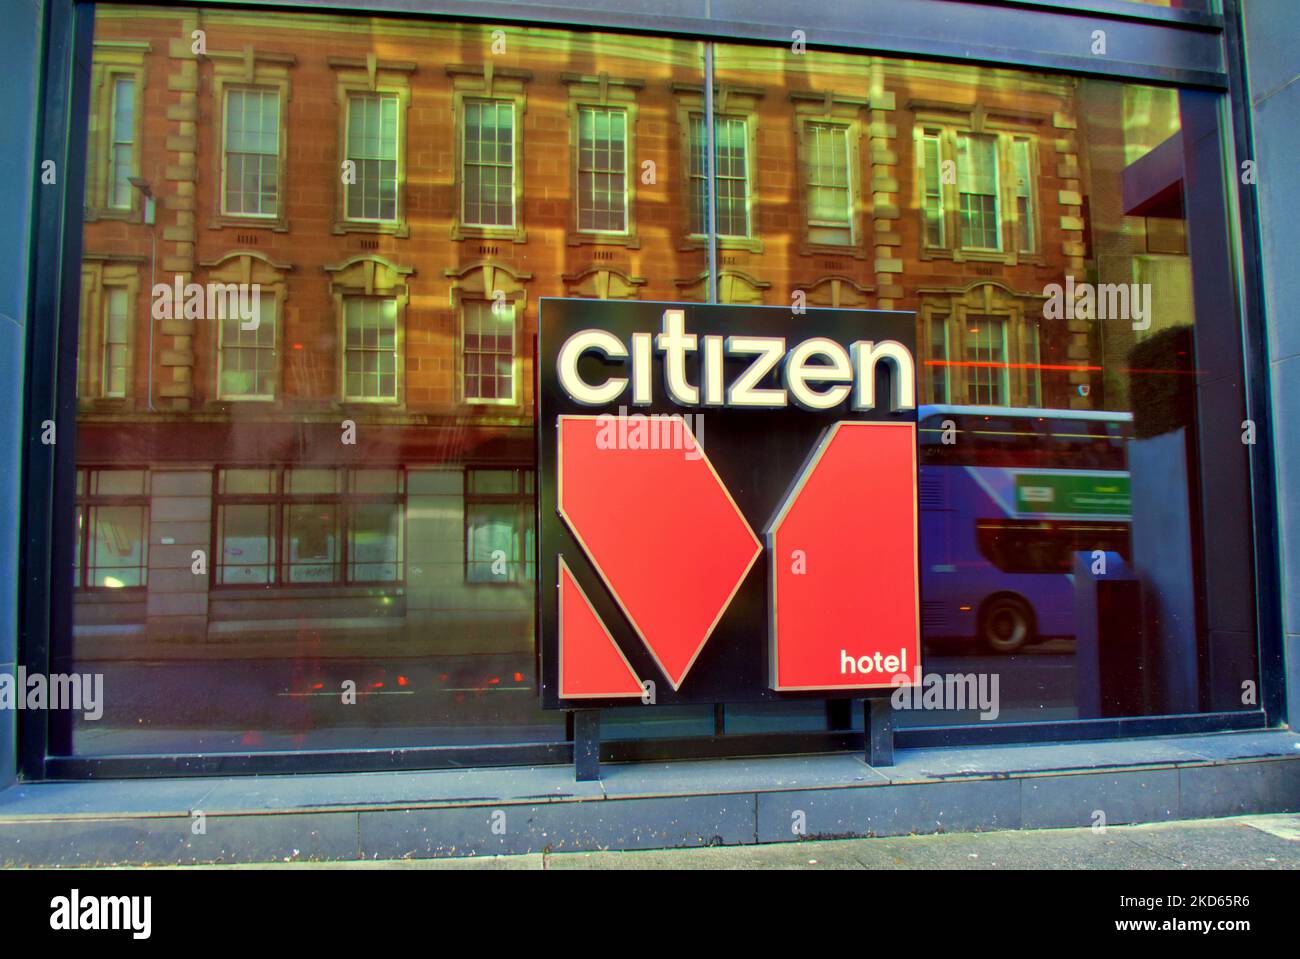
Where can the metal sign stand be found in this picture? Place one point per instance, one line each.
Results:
(877, 721)
(586, 745)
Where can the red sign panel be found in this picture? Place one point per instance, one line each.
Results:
(591, 664)
(670, 438)
(844, 592)
(662, 531)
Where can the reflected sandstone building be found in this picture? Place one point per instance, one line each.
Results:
(404, 194)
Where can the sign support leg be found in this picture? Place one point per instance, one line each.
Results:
(878, 722)
(586, 745)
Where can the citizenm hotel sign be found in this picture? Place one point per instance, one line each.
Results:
(727, 505)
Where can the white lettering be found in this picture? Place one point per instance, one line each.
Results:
(567, 367)
(818, 373)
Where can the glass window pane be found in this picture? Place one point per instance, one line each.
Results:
(977, 185)
(370, 335)
(118, 482)
(488, 350)
(488, 163)
(488, 481)
(246, 549)
(1022, 155)
(602, 170)
(252, 145)
(373, 142)
(991, 207)
(376, 481)
(122, 149)
(249, 359)
(300, 481)
(493, 539)
(118, 547)
(969, 248)
(375, 544)
(311, 534)
(247, 481)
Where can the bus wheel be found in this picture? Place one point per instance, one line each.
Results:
(1007, 625)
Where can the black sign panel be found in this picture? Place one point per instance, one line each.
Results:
(640, 556)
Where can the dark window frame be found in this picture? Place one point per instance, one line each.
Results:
(523, 497)
(344, 500)
(85, 502)
(748, 122)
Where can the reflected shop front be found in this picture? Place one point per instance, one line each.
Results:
(294, 512)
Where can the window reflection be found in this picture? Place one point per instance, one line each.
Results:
(112, 529)
(343, 490)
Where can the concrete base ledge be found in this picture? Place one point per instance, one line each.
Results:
(450, 813)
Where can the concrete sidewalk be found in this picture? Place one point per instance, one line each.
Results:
(1246, 842)
(742, 802)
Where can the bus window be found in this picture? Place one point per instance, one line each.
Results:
(934, 451)
(1022, 547)
(1086, 444)
(1003, 441)
(1023, 442)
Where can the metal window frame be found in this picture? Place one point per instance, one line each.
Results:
(515, 318)
(814, 126)
(275, 349)
(520, 498)
(118, 78)
(1025, 235)
(1186, 48)
(281, 128)
(279, 500)
(711, 180)
(621, 110)
(88, 501)
(105, 321)
(354, 298)
(513, 165)
(398, 165)
(971, 138)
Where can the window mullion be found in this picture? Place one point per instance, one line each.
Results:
(710, 170)
(343, 525)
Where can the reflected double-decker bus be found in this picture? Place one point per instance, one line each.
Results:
(1008, 497)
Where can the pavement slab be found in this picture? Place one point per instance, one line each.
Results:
(1246, 842)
